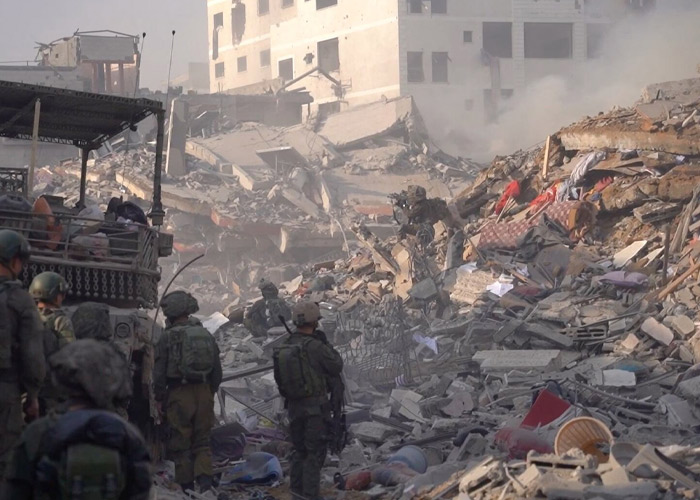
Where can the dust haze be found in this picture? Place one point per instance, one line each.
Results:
(658, 46)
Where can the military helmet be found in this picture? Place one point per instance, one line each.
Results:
(48, 286)
(416, 193)
(268, 288)
(88, 369)
(91, 321)
(13, 244)
(306, 313)
(179, 303)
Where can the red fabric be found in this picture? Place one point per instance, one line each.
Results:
(547, 408)
(512, 191)
(549, 195)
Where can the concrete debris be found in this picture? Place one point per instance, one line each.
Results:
(475, 337)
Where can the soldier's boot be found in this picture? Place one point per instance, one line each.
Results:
(187, 486)
(204, 482)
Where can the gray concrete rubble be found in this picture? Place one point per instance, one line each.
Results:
(540, 342)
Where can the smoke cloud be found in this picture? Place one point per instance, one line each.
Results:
(660, 45)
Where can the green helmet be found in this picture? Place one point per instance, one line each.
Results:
(268, 288)
(306, 313)
(91, 321)
(179, 303)
(13, 244)
(416, 193)
(47, 286)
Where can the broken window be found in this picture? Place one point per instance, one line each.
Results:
(218, 20)
(285, 68)
(237, 22)
(415, 67)
(467, 36)
(322, 4)
(440, 60)
(415, 6)
(264, 58)
(595, 35)
(329, 108)
(438, 7)
(263, 7)
(498, 39)
(328, 55)
(242, 64)
(219, 70)
(287, 3)
(549, 40)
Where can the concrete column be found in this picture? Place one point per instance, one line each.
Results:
(580, 42)
(122, 85)
(175, 164)
(108, 78)
(519, 75)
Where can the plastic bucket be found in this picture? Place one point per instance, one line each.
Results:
(587, 434)
(412, 456)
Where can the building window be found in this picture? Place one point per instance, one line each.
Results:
(440, 60)
(467, 36)
(264, 58)
(263, 7)
(242, 64)
(219, 70)
(549, 40)
(287, 3)
(415, 6)
(237, 22)
(438, 7)
(328, 55)
(415, 67)
(285, 68)
(218, 20)
(595, 37)
(498, 39)
(329, 108)
(322, 4)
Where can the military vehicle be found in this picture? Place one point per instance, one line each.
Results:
(106, 259)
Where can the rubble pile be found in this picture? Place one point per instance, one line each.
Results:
(549, 350)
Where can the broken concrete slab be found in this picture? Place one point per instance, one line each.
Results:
(622, 257)
(504, 361)
(372, 432)
(662, 334)
(682, 325)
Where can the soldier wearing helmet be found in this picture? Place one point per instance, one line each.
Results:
(187, 374)
(264, 314)
(422, 211)
(22, 362)
(304, 365)
(49, 290)
(88, 451)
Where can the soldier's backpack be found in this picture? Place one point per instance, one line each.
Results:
(81, 464)
(5, 333)
(295, 377)
(191, 353)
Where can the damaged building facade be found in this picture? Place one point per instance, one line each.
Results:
(462, 57)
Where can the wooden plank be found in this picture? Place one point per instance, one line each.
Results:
(545, 164)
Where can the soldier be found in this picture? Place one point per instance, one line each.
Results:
(89, 451)
(49, 290)
(265, 313)
(22, 364)
(304, 365)
(187, 374)
(421, 211)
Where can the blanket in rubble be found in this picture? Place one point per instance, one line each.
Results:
(576, 217)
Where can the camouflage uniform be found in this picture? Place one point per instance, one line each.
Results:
(93, 377)
(264, 314)
(310, 418)
(25, 370)
(58, 332)
(189, 407)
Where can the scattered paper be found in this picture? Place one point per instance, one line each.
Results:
(427, 341)
(500, 289)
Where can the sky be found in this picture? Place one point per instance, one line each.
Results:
(21, 26)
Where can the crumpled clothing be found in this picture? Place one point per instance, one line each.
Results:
(584, 165)
(624, 279)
